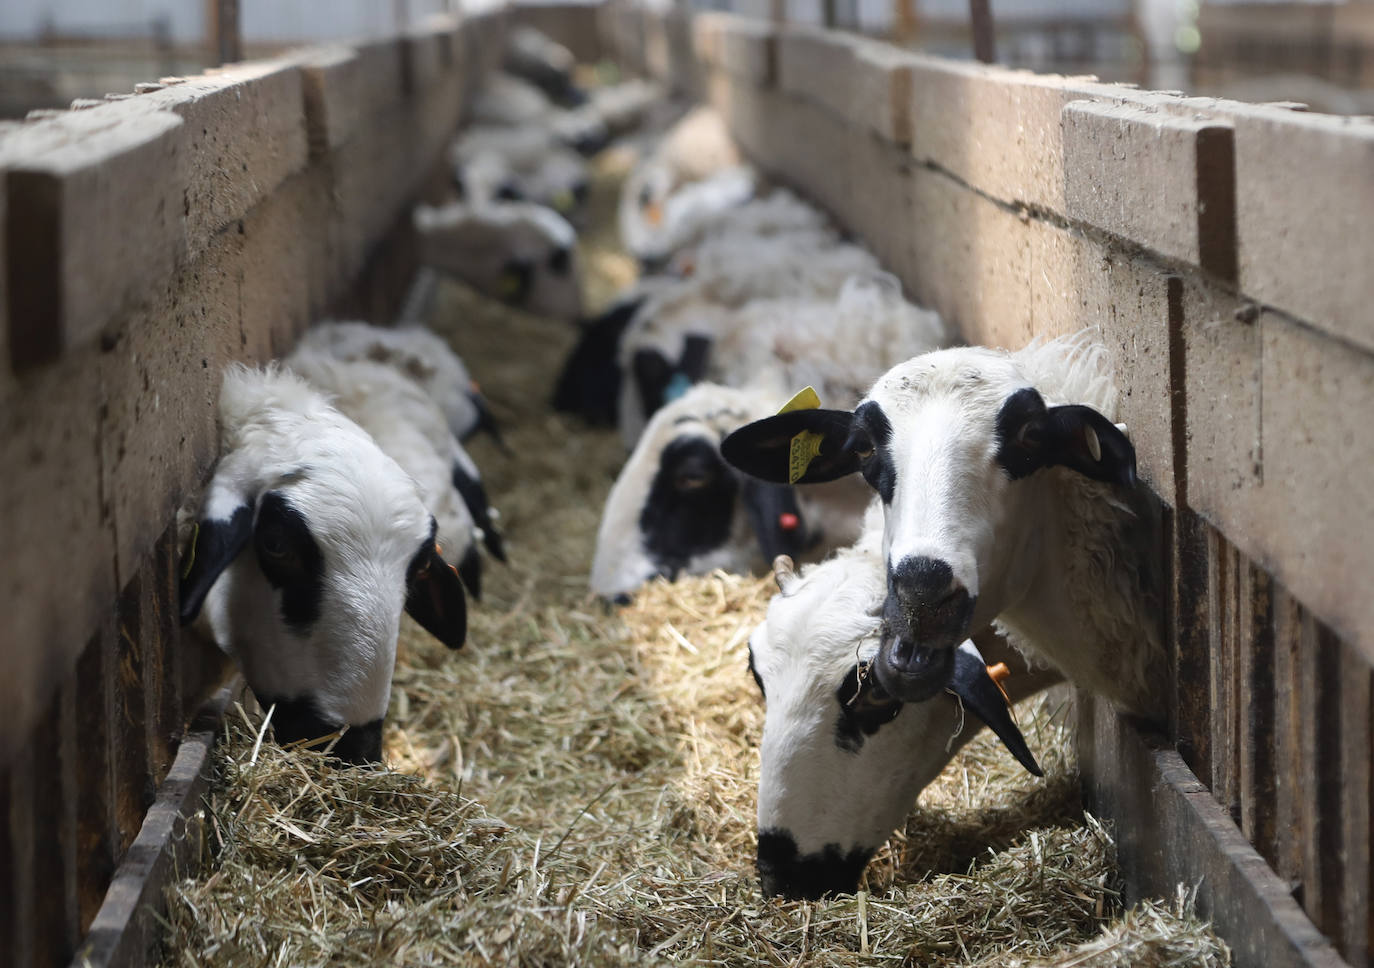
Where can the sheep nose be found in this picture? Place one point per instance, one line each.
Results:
(926, 616)
(785, 872)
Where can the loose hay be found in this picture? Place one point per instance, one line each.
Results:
(577, 787)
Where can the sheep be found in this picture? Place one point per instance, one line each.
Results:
(696, 147)
(676, 508)
(411, 429)
(340, 541)
(682, 215)
(510, 101)
(520, 253)
(523, 163)
(841, 762)
(666, 345)
(1010, 499)
(779, 213)
(534, 56)
(424, 357)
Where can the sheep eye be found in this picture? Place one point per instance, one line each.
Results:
(272, 543)
(560, 261)
(646, 197)
(860, 445)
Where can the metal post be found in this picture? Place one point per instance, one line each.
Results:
(984, 42)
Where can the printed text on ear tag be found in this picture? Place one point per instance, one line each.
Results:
(805, 399)
(806, 447)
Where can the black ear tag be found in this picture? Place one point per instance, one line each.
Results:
(775, 517)
(982, 696)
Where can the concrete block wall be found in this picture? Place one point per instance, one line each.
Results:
(148, 241)
(1223, 250)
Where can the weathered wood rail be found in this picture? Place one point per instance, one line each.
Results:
(148, 241)
(1223, 249)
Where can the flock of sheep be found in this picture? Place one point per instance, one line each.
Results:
(780, 400)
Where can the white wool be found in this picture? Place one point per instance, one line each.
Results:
(508, 100)
(415, 352)
(778, 213)
(407, 425)
(531, 52)
(694, 206)
(527, 158)
(623, 106)
(364, 513)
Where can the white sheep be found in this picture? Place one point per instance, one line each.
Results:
(523, 163)
(840, 762)
(696, 147)
(1010, 498)
(309, 542)
(520, 253)
(541, 60)
(666, 344)
(510, 101)
(420, 354)
(411, 429)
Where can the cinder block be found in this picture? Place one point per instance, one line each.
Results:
(57, 579)
(244, 133)
(816, 64)
(331, 77)
(880, 90)
(427, 53)
(1075, 283)
(98, 200)
(1222, 362)
(995, 129)
(1305, 217)
(1164, 182)
(748, 50)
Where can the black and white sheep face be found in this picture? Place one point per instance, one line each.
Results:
(310, 543)
(520, 253)
(951, 442)
(841, 762)
(678, 509)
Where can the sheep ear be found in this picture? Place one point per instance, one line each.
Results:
(652, 374)
(474, 495)
(216, 543)
(776, 518)
(982, 697)
(435, 599)
(798, 447)
(1033, 436)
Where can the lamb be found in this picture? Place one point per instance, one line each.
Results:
(696, 147)
(841, 762)
(510, 101)
(520, 253)
(1010, 499)
(534, 56)
(421, 355)
(523, 163)
(657, 347)
(411, 429)
(676, 508)
(340, 543)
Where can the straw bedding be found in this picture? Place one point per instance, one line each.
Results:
(577, 786)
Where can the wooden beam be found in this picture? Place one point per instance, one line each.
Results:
(984, 41)
(225, 32)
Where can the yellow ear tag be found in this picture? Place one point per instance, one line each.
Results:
(191, 552)
(806, 445)
(805, 399)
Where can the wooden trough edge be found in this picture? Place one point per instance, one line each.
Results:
(1170, 830)
(127, 926)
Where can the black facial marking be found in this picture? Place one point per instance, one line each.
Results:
(475, 497)
(753, 671)
(782, 871)
(290, 560)
(872, 431)
(864, 709)
(217, 544)
(590, 382)
(652, 373)
(295, 720)
(486, 422)
(691, 503)
(470, 570)
(517, 278)
(560, 261)
(581, 190)
(510, 192)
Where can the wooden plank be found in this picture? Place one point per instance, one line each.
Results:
(159, 626)
(95, 847)
(1357, 788)
(1288, 720)
(1259, 721)
(1191, 724)
(125, 930)
(1319, 673)
(1222, 676)
(125, 702)
(52, 938)
(1170, 830)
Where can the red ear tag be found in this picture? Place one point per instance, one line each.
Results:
(788, 521)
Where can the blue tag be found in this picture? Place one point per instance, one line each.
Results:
(676, 387)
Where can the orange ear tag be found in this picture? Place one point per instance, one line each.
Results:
(998, 673)
(653, 214)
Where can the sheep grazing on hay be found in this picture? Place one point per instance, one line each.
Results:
(309, 542)
(1009, 497)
